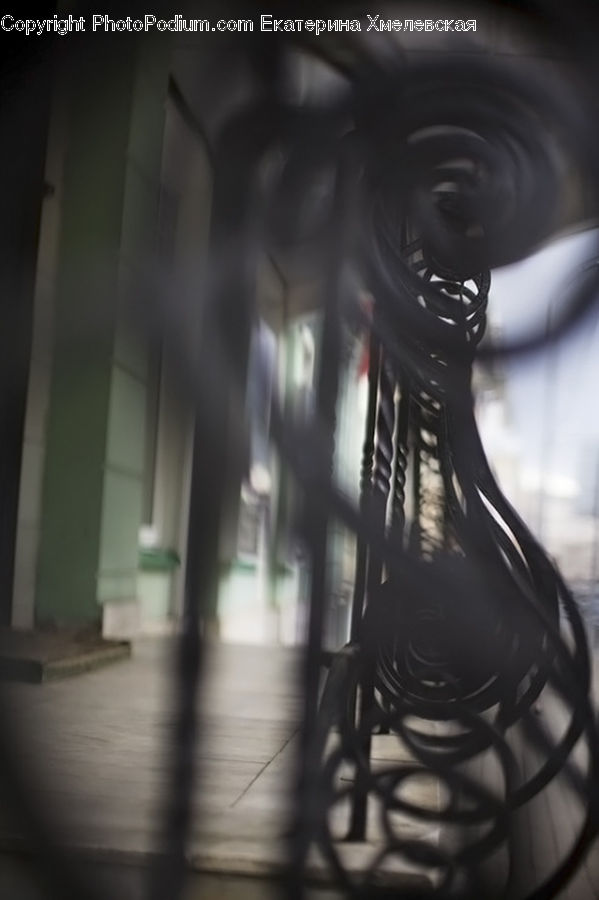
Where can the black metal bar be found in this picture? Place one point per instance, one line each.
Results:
(316, 527)
(382, 474)
(225, 329)
(365, 486)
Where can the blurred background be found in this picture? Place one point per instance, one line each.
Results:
(107, 303)
(111, 144)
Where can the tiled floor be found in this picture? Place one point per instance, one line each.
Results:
(97, 750)
(98, 745)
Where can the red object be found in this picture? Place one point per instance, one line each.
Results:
(367, 304)
(365, 358)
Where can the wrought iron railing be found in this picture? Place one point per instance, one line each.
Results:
(438, 172)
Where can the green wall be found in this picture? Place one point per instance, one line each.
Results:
(94, 472)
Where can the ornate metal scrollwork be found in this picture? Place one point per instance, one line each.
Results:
(461, 622)
(458, 642)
